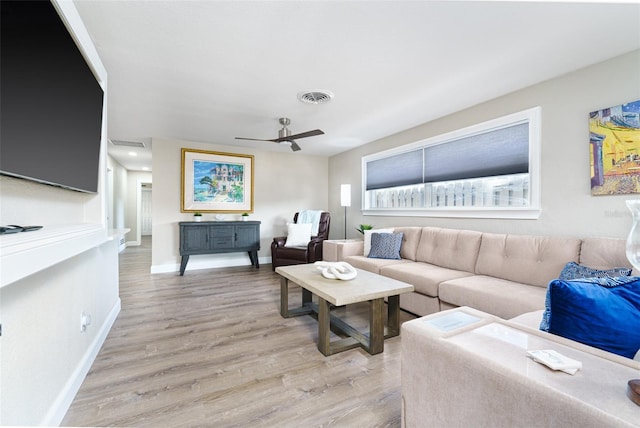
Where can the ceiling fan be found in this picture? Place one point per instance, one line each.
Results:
(284, 135)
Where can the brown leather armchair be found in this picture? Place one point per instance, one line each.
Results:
(285, 256)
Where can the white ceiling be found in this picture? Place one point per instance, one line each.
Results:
(209, 71)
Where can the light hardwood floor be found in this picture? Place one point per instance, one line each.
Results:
(211, 349)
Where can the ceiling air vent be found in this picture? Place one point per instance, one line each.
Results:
(122, 143)
(315, 97)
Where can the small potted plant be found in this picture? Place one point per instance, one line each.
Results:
(245, 216)
(364, 227)
(197, 216)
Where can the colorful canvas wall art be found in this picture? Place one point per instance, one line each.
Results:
(614, 135)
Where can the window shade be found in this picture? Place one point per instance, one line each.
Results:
(399, 170)
(498, 152)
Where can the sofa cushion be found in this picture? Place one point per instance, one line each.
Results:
(419, 304)
(527, 259)
(371, 265)
(604, 253)
(529, 319)
(423, 276)
(385, 246)
(599, 312)
(410, 240)
(449, 248)
(499, 297)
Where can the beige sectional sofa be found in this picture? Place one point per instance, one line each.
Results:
(478, 374)
(502, 274)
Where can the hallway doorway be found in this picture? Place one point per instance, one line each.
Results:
(144, 210)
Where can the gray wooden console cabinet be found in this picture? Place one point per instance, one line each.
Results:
(210, 237)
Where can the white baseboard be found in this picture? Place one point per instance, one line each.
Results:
(61, 404)
(196, 263)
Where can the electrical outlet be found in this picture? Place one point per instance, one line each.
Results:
(85, 321)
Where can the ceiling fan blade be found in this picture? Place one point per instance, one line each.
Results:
(302, 135)
(294, 146)
(257, 139)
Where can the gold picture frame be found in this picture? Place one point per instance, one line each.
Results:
(216, 182)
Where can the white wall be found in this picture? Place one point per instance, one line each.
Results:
(26, 202)
(43, 355)
(567, 205)
(284, 182)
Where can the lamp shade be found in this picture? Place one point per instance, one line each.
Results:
(345, 195)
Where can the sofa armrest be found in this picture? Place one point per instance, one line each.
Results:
(279, 241)
(337, 250)
(352, 248)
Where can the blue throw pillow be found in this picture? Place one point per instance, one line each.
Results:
(599, 312)
(573, 270)
(385, 246)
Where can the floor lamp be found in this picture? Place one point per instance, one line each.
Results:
(345, 201)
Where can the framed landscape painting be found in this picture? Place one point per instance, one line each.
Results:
(216, 182)
(614, 145)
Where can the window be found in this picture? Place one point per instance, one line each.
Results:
(487, 170)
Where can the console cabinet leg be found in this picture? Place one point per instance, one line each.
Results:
(183, 264)
(253, 256)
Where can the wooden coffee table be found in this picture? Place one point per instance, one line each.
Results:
(365, 287)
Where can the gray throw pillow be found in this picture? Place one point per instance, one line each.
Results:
(385, 246)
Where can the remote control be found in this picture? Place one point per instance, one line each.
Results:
(14, 228)
(30, 228)
(5, 230)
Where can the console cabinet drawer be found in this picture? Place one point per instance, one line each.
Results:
(221, 231)
(222, 242)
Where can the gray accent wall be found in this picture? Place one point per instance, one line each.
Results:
(567, 205)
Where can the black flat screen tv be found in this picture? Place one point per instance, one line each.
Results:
(50, 101)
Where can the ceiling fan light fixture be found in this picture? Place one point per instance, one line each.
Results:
(316, 96)
(285, 137)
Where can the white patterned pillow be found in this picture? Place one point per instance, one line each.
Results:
(386, 246)
(367, 238)
(573, 270)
